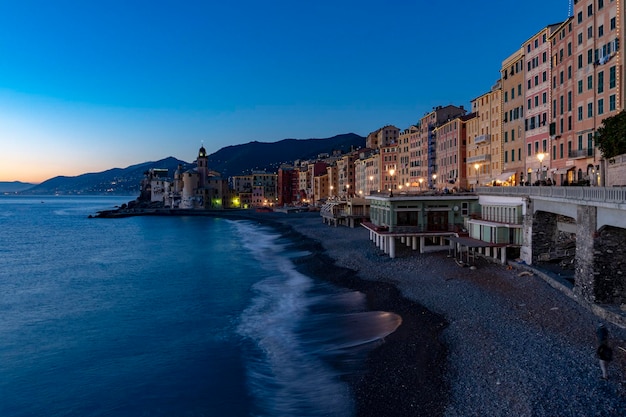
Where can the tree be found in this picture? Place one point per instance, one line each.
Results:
(611, 136)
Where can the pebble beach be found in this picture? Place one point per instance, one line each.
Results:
(474, 342)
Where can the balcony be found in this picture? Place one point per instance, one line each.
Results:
(581, 153)
(482, 139)
(479, 158)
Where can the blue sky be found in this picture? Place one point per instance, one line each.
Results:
(91, 85)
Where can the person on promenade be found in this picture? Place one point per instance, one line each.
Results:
(604, 351)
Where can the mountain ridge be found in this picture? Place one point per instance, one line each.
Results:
(228, 161)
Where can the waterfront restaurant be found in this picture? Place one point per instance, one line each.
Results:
(422, 221)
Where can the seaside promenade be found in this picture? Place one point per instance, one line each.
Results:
(513, 344)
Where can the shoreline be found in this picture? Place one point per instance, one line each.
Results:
(497, 343)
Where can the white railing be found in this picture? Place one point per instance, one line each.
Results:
(582, 195)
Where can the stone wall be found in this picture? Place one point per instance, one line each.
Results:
(543, 235)
(610, 266)
(616, 172)
(585, 253)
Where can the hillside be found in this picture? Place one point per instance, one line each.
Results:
(228, 161)
(120, 181)
(14, 186)
(265, 156)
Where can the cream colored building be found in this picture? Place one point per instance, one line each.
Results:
(513, 103)
(483, 138)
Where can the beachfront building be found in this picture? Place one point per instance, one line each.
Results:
(451, 151)
(423, 146)
(404, 158)
(561, 129)
(483, 138)
(419, 221)
(513, 101)
(384, 136)
(287, 185)
(261, 186)
(599, 74)
(538, 78)
(345, 173)
(389, 167)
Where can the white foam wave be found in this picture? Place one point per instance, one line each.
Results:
(284, 378)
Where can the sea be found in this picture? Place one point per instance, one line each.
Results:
(169, 316)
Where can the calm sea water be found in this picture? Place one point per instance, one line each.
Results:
(168, 316)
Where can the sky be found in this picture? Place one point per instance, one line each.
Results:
(86, 86)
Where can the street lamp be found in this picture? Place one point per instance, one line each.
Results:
(331, 190)
(540, 157)
(476, 167)
(434, 180)
(348, 188)
(391, 172)
(371, 182)
(421, 180)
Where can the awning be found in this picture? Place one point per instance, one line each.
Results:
(560, 171)
(505, 176)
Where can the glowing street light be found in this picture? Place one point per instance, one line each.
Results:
(540, 157)
(421, 180)
(476, 167)
(434, 180)
(371, 183)
(391, 172)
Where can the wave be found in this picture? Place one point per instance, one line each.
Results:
(302, 335)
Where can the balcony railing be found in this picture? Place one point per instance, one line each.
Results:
(580, 195)
(479, 158)
(482, 139)
(581, 153)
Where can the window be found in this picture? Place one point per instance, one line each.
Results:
(506, 137)
(544, 57)
(569, 122)
(529, 85)
(536, 80)
(561, 103)
(512, 93)
(580, 112)
(600, 82)
(590, 10)
(569, 72)
(569, 101)
(506, 156)
(545, 76)
(590, 32)
(569, 49)
(590, 56)
(512, 136)
(613, 25)
(580, 38)
(561, 150)
(600, 4)
(580, 86)
(580, 61)
(536, 101)
(529, 150)
(544, 98)
(590, 82)
(561, 77)
(529, 104)
(519, 89)
(580, 142)
(600, 31)
(506, 97)
(580, 20)
(589, 110)
(612, 102)
(612, 77)
(600, 106)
